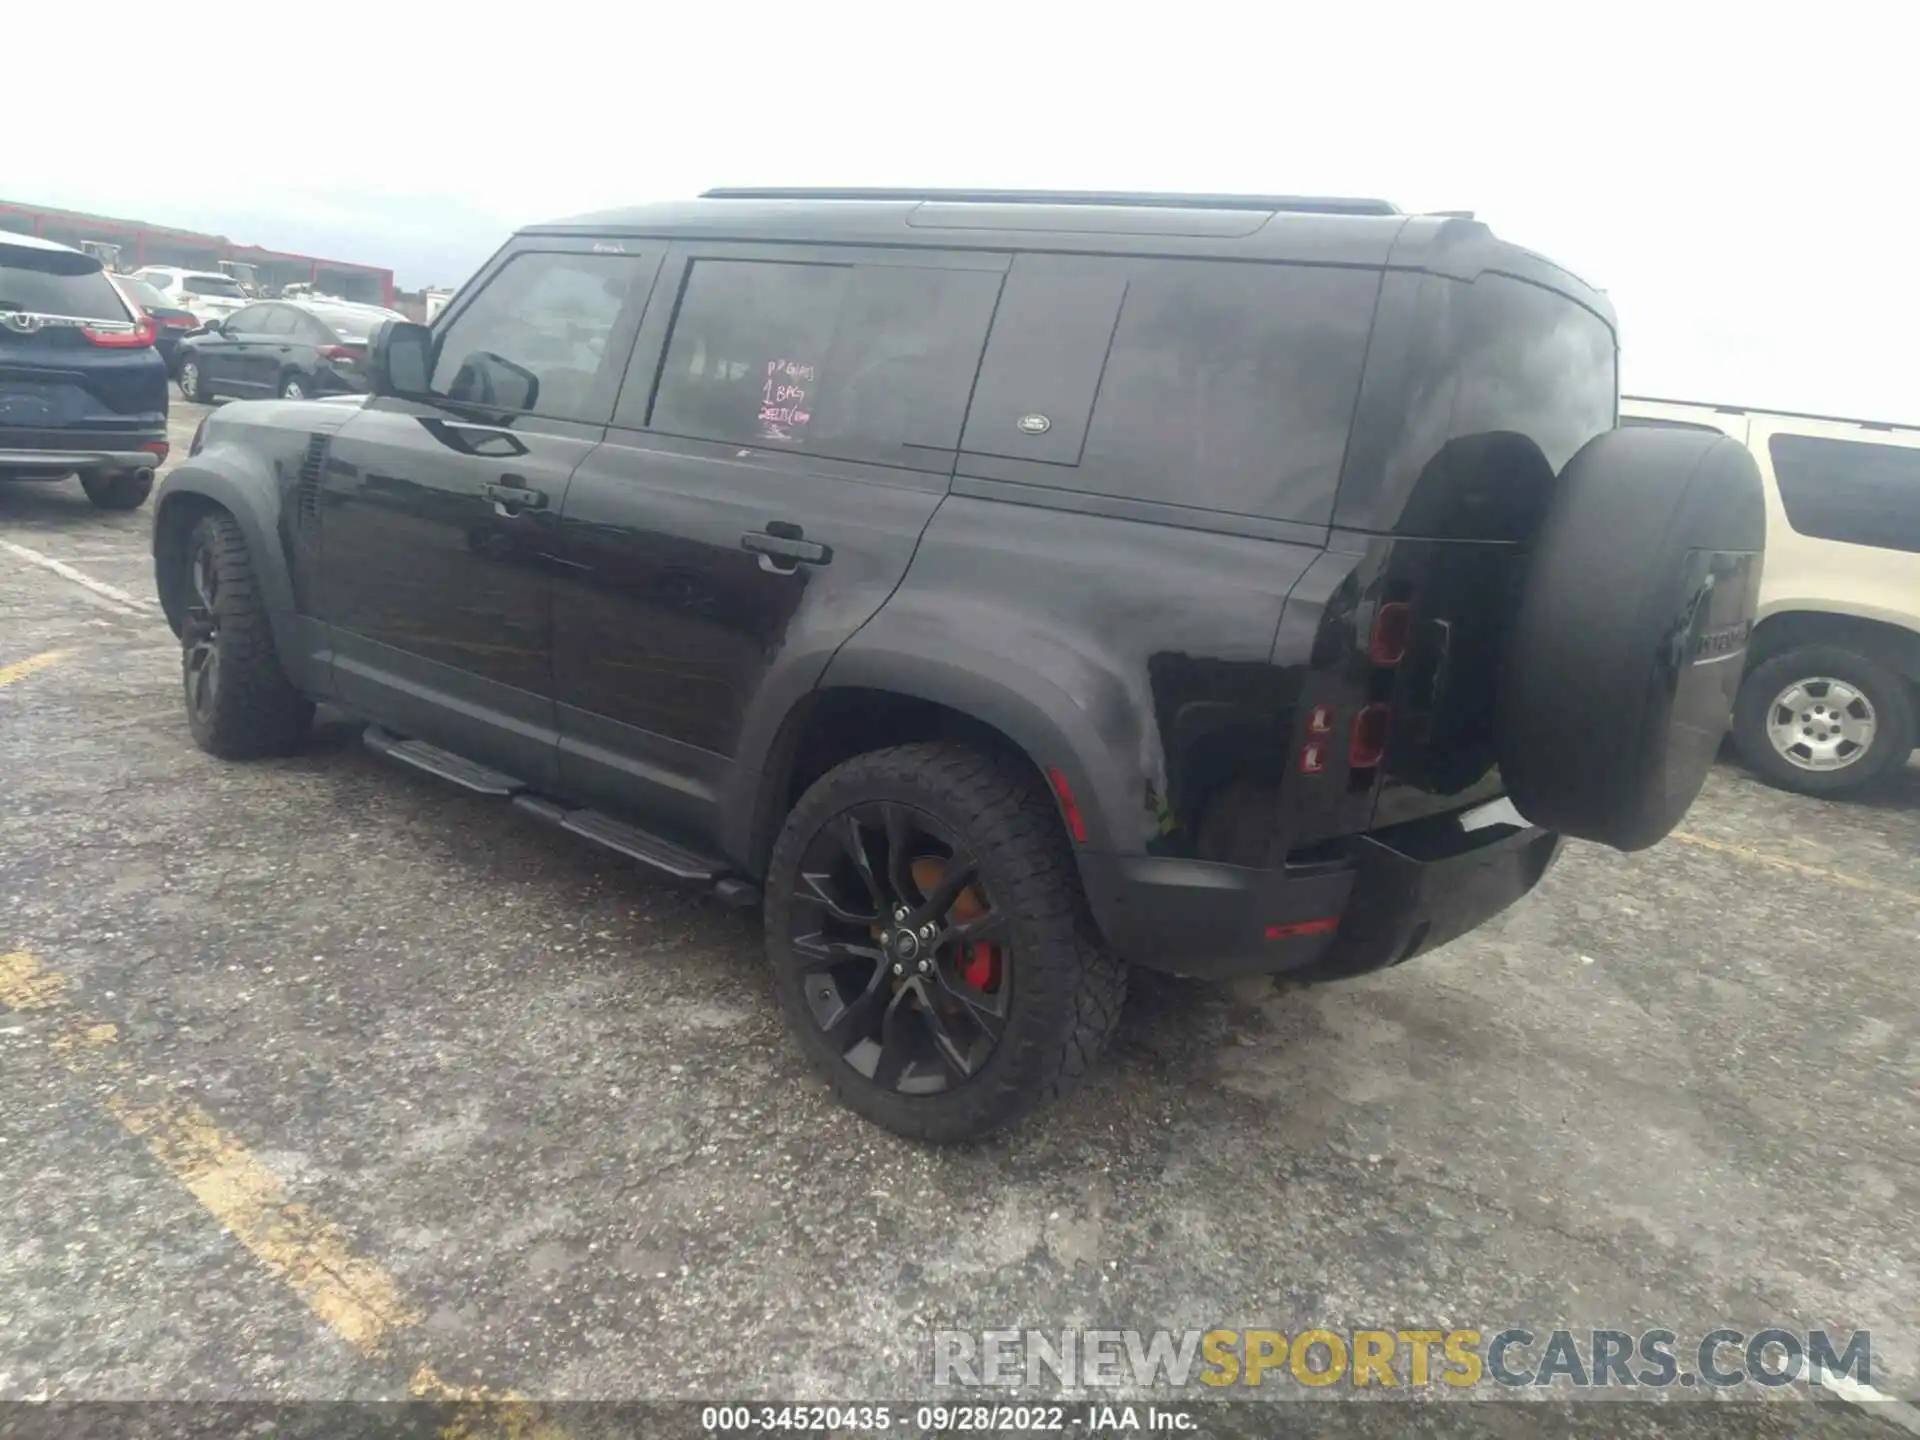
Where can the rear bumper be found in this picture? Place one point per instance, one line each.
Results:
(52, 452)
(1382, 899)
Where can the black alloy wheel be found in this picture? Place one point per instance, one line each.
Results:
(200, 632)
(900, 953)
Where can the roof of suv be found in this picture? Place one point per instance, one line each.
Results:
(35, 242)
(1308, 229)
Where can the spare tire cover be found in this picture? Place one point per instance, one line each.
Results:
(1620, 672)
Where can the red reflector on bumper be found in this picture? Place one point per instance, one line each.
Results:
(156, 448)
(1076, 825)
(1326, 924)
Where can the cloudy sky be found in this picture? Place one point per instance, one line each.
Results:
(1742, 186)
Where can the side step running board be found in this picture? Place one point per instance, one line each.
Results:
(629, 840)
(443, 763)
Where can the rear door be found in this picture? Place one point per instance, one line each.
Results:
(270, 349)
(226, 355)
(756, 507)
(437, 512)
(67, 358)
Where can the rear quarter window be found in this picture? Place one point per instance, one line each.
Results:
(1856, 492)
(1216, 386)
(1535, 363)
(52, 282)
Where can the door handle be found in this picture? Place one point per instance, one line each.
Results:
(510, 500)
(773, 548)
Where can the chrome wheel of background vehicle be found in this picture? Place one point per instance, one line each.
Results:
(200, 634)
(293, 388)
(1821, 724)
(902, 955)
(190, 379)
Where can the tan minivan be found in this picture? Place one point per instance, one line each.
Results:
(1833, 670)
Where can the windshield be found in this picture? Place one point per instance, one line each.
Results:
(219, 285)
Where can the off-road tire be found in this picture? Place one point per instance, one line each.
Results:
(1068, 988)
(255, 711)
(121, 490)
(1891, 696)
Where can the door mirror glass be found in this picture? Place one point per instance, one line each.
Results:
(400, 359)
(495, 382)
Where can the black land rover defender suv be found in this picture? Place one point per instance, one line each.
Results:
(1000, 588)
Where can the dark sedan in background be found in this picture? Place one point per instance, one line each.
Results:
(290, 348)
(170, 322)
(82, 390)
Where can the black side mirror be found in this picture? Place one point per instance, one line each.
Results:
(495, 382)
(400, 359)
(214, 327)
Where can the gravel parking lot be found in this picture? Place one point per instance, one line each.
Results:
(319, 1080)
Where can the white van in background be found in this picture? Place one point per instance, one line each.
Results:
(1833, 670)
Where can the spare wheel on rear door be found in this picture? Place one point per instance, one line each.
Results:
(1622, 666)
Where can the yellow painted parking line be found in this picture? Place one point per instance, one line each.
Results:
(1793, 867)
(20, 669)
(25, 986)
(482, 1412)
(351, 1295)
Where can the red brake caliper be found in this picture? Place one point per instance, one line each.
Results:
(980, 964)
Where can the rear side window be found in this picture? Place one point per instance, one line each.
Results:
(56, 282)
(1231, 388)
(537, 333)
(857, 362)
(1536, 364)
(1215, 386)
(1853, 491)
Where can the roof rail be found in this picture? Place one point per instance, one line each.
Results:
(1318, 204)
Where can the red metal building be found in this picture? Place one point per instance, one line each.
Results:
(142, 243)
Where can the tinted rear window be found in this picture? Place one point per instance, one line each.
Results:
(55, 282)
(141, 293)
(353, 326)
(859, 362)
(1853, 491)
(1214, 386)
(1535, 363)
(218, 285)
(1231, 387)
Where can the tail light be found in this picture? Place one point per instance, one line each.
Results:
(180, 322)
(347, 353)
(1369, 741)
(117, 335)
(157, 449)
(1392, 623)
